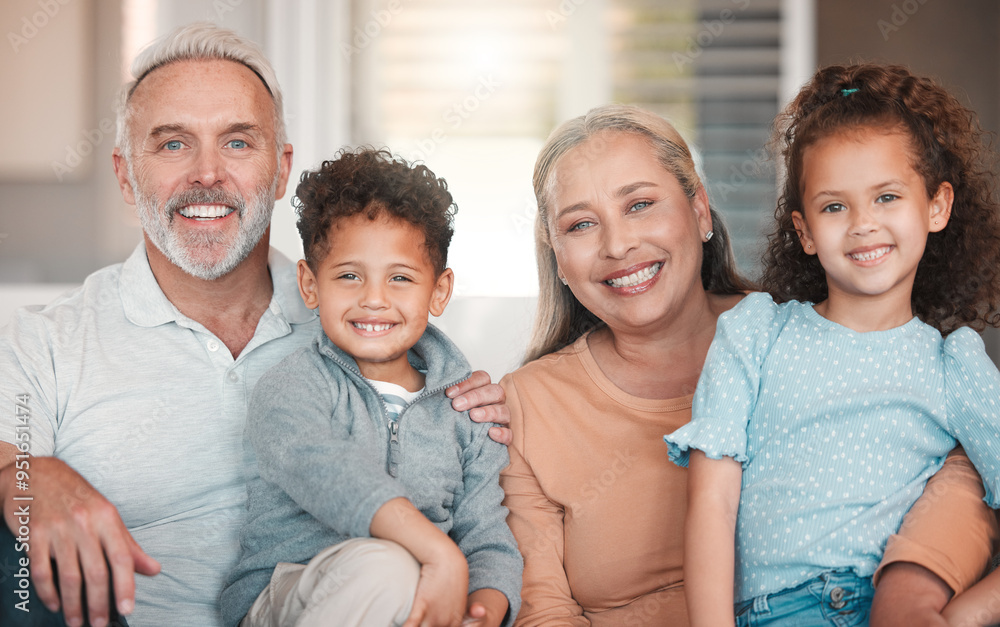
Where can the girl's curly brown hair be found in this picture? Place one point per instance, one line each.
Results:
(375, 183)
(958, 278)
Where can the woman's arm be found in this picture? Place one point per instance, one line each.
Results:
(979, 605)
(942, 548)
(909, 595)
(710, 538)
(537, 523)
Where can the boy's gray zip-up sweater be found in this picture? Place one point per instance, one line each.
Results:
(318, 434)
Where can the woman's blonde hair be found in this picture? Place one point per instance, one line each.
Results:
(560, 318)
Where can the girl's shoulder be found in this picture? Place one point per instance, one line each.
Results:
(753, 325)
(964, 344)
(758, 309)
(967, 366)
(972, 384)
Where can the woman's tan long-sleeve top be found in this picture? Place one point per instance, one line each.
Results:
(950, 530)
(596, 507)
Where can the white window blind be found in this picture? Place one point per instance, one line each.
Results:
(713, 68)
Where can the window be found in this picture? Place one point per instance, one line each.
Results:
(472, 88)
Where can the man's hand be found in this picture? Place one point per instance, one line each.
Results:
(77, 527)
(485, 402)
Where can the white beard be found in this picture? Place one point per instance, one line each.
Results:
(193, 252)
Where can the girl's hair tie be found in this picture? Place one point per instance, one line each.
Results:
(848, 92)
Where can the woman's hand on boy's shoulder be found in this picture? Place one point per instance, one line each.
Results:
(485, 402)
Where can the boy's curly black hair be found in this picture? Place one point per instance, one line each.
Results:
(958, 278)
(375, 183)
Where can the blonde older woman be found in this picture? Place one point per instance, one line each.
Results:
(634, 270)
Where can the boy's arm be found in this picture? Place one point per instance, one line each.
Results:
(307, 450)
(709, 538)
(480, 523)
(444, 575)
(487, 608)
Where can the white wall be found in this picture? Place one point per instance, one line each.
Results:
(16, 295)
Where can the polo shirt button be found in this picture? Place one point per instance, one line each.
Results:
(213, 345)
(234, 377)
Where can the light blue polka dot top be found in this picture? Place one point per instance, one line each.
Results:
(837, 432)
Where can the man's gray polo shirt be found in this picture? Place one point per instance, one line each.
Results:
(149, 406)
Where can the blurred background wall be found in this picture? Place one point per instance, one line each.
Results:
(472, 88)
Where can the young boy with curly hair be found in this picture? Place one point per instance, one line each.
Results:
(377, 503)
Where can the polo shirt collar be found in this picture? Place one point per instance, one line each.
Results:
(144, 302)
(146, 305)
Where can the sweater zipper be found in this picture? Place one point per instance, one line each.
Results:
(392, 459)
(392, 463)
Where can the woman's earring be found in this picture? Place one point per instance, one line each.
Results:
(708, 236)
(563, 279)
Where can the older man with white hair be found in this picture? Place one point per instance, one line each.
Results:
(121, 443)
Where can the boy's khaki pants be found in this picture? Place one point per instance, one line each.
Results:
(363, 582)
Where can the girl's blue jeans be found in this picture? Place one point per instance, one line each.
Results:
(836, 598)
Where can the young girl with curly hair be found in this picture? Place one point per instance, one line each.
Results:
(825, 404)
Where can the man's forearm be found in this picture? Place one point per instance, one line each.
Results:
(73, 525)
(8, 469)
(8, 454)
